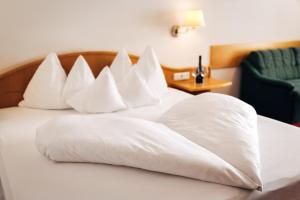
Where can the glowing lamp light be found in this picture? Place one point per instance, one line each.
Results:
(192, 20)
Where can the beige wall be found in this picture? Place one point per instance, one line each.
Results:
(30, 28)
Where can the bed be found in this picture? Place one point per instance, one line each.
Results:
(26, 174)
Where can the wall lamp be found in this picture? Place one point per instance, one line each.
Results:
(192, 20)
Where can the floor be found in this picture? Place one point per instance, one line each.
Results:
(297, 124)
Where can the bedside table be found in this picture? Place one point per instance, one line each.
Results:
(191, 87)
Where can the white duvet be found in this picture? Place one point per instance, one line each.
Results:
(209, 137)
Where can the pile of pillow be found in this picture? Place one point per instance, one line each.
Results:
(116, 88)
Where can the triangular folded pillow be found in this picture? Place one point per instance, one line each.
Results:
(135, 91)
(120, 66)
(79, 78)
(45, 88)
(101, 96)
(150, 69)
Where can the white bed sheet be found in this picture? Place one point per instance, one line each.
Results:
(27, 175)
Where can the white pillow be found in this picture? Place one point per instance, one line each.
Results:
(79, 78)
(224, 125)
(120, 66)
(150, 69)
(45, 88)
(100, 97)
(135, 91)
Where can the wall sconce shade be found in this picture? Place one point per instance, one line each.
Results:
(192, 20)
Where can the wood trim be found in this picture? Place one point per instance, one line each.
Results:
(224, 56)
(208, 84)
(14, 79)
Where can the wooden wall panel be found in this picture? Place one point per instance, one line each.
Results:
(223, 56)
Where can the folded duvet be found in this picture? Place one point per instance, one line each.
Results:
(142, 144)
(223, 125)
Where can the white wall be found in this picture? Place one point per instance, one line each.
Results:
(31, 28)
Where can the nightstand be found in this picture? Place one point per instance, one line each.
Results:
(191, 87)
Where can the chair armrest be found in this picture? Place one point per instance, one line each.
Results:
(270, 97)
(280, 84)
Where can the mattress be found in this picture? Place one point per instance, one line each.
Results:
(27, 175)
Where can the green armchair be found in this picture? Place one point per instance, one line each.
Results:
(270, 82)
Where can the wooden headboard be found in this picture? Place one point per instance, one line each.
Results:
(14, 79)
(223, 56)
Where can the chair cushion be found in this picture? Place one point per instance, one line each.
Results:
(283, 64)
(295, 82)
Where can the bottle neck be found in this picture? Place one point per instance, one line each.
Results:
(200, 64)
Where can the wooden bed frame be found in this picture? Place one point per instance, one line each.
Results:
(14, 79)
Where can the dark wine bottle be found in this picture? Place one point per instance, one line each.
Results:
(199, 72)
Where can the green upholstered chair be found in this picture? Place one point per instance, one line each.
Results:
(270, 82)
